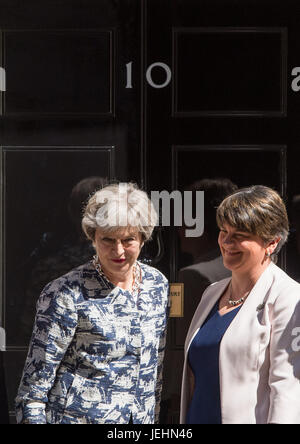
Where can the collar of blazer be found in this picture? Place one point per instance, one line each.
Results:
(254, 302)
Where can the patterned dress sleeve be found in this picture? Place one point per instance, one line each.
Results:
(161, 352)
(54, 328)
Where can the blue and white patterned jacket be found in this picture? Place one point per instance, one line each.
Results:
(95, 355)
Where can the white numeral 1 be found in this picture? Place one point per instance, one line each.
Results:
(129, 75)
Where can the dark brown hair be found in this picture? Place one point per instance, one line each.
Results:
(258, 210)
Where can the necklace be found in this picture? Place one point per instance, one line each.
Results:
(135, 287)
(233, 302)
(136, 281)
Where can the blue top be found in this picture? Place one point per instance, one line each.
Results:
(205, 407)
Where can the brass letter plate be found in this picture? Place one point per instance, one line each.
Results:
(176, 300)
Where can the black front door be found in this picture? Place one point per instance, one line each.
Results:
(173, 95)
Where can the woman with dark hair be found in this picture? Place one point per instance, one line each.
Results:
(242, 355)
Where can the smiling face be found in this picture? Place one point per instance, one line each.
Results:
(242, 251)
(118, 250)
(253, 222)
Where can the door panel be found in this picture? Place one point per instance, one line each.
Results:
(58, 64)
(231, 64)
(42, 222)
(193, 164)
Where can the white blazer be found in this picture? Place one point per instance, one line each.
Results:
(259, 362)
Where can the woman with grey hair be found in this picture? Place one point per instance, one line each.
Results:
(242, 353)
(98, 341)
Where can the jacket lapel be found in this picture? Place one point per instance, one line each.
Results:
(240, 345)
(255, 301)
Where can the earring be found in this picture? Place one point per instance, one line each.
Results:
(268, 254)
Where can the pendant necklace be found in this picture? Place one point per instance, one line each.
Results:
(233, 302)
(136, 281)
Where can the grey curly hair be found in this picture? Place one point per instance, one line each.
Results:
(119, 205)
